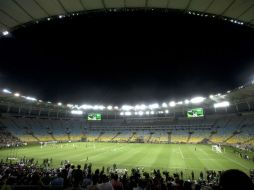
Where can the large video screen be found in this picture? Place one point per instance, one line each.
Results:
(196, 112)
(94, 117)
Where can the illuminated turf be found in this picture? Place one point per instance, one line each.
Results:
(171, 157)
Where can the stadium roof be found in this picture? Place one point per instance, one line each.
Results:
(15, 13)
(242, 94)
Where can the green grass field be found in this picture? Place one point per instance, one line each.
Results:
(171, 157)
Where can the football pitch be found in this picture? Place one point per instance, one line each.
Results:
(170, 157)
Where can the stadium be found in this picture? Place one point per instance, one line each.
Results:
(177, 142)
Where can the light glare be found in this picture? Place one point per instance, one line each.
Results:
(76, 112)
(5, 33)
(164, 105)
(127, 107)
(221, 104)
(7, 91)
(197, 100)
(31, 98)
(154, 106)
(172, 104)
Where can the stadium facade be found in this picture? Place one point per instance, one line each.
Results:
(225, 119)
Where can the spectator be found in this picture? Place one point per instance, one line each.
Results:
(77, 176)
(117, 185)
(235, 179)
(58, 182)
(105, 185)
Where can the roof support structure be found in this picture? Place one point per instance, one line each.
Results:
(146, 3)
(168, 2)
(62, 6)
(23, 9)
(188, 5)
(10, 16)
(39, 5)
(103, 4)
(228, 7)
(210, 4)
(3, 24)
(82, 5)
(245, 11)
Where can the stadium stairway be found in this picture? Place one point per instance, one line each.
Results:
(150, 137)
(99, 136)
(231, 136)
(169, 137)
(189, 136)
(249, 141)
(116, 135)
(131, 137)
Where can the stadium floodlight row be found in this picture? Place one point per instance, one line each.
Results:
(232, 98)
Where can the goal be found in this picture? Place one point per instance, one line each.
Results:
(216, 148)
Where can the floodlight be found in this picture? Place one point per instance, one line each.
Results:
(6, 91)
(116, 107)
(98, 107)
(101, 107)
(60, 16)
(140, 107)
(76, 112)
(180, 103)
(128, 113)
(221, 104)
(211, 96)
(127, 107)
(49, 102)
(136, 113)
(17, 94)
(164, 105)
(31, 98)
(186, 101)
(109, 107)
(5, 33)
(147, 112)
(154, 106)
(140, 113)
(121, 113)
(172, 104)
(48, 19)
(85, 107)
(40, 101)
(69, 105)
(152, 112)
(197, 100)
(166, 111)
(59, 104)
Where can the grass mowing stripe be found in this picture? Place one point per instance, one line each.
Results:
(173, 157)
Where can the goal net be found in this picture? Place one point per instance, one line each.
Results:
(216, 148)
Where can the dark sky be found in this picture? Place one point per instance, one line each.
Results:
(134, 57)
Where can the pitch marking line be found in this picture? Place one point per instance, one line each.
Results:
(181, 152)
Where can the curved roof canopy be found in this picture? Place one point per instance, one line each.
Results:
(14, 13)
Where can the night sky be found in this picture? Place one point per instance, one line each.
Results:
(126, 57)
